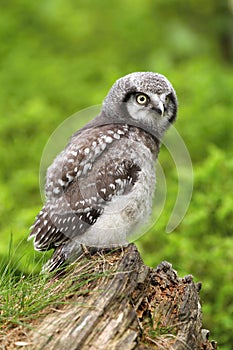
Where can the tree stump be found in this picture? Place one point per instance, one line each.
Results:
(123, 304)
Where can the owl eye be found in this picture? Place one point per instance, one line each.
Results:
(142, 99)
(167, 99)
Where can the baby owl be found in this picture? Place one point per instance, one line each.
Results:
(100, 187)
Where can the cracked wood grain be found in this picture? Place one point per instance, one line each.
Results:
(129, 306)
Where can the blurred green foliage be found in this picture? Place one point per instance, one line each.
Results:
(57, 57)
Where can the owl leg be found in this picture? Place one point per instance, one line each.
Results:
(89, 251)
(85, 250)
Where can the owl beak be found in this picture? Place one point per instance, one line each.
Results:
(158, 107)
(161, 107)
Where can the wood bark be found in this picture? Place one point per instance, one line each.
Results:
(119, 303)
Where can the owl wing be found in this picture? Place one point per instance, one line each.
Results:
(77, 195)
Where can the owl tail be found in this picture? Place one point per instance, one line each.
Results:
(62, 256)
(57, 260)
(45, 233)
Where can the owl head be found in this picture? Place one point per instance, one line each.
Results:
(144, 99)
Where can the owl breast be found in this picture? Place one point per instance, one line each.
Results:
(124, 213)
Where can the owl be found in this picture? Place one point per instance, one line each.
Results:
(100, 188)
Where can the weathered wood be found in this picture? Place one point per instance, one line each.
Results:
(125, 305)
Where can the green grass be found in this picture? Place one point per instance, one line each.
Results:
(26, 299)
(58, 57)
